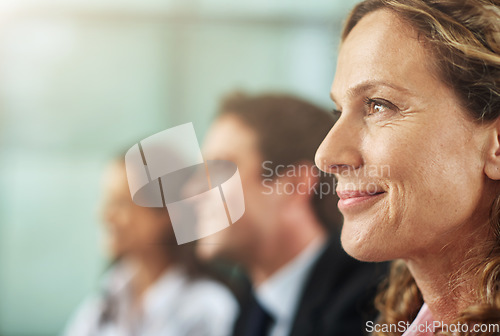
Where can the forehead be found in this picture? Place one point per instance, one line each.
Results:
(115, 177)
(229, 138)
(381, 48)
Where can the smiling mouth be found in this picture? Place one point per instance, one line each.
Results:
(356, 199)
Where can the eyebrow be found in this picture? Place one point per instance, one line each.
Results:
(366, 85)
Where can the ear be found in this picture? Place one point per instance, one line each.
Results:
(492, 160)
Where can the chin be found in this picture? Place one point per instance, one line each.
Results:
(364, 248)
(205, 251)
(210, 247)
(113, 250)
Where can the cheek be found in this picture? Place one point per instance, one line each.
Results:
(258, 212)
(257, 195)
(147, 228)
(120, 226)
(435, 179)
(435, 183)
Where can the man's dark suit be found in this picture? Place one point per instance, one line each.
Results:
(336, 299)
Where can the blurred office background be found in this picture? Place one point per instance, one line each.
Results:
(83, 80)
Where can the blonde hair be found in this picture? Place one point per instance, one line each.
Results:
(463, 39)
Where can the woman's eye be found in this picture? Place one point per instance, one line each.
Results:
(379, 106)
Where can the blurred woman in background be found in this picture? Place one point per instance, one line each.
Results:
(154, 286)
(416, 151)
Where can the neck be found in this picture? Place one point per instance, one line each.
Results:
(447, 278)
(151, 264)
(278, 249)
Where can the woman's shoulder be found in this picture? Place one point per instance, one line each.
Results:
(209, 290)
(192, 293)
(208, 307)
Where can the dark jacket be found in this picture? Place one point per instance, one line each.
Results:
(337, 298)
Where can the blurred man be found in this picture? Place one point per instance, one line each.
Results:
(302, 282)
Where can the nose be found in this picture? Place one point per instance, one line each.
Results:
(340, 150)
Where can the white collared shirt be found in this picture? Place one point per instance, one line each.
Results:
(279, 295)
(173, 305)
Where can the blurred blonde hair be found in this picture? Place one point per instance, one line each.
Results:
(463, 40)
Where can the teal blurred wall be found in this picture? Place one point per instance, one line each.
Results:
(81, 81)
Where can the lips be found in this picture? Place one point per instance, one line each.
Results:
(347, 194)
(357, 200)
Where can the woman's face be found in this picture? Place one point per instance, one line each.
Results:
(130, 228)
(409, 162)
